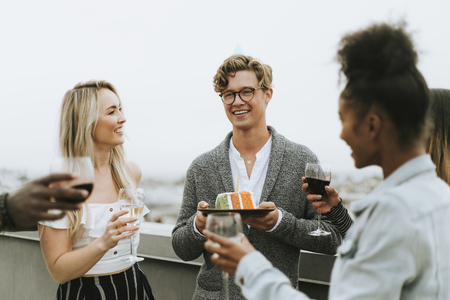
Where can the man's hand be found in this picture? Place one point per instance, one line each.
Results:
(200, 221)
(31, 203)
(263, 223)
(226, 257)
(319, 203)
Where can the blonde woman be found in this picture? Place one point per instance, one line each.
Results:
(84, 251)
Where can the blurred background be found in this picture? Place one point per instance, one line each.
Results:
(162, 56)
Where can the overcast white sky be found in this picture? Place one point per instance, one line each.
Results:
(162, 55)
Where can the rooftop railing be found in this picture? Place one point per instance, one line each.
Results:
(24, 274)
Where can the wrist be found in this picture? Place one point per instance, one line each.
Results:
(336, 202)
(6, 222)
(102, 245)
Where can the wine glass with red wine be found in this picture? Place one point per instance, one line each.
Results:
(318, 175)
(81, 166)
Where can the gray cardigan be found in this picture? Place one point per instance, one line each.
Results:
(210, 175)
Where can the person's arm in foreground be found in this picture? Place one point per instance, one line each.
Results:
(258, 279)
(331, 205)
(64, 264)
(31, 203)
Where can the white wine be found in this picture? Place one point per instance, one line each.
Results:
(134, 211)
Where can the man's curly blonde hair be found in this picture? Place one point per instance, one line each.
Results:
(237, 63)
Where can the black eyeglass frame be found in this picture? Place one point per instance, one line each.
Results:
(234, 94)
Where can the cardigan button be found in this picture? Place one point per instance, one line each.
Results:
(111, 209)
(115, 252)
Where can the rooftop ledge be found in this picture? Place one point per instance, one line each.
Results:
(156, 243)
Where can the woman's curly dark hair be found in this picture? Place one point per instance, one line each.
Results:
(380, 66)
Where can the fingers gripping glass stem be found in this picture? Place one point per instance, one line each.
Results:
(228, 225)
(318, 176)
(132, 200)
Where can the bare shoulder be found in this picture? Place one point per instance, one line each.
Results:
(135, 171)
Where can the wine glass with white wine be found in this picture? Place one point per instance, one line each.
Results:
(229, 225)
(132, 200)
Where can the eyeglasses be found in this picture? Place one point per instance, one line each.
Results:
(245, 95)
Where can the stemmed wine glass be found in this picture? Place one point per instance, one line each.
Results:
(81, 166)
(229, 225)
(318, 175)
(132, 200)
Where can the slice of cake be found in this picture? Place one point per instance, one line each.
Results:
(242, 200)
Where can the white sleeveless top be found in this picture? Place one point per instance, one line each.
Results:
(93, 225)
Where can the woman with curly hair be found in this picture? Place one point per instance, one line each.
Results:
(398, 246)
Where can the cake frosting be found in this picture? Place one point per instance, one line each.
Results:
(241, 200)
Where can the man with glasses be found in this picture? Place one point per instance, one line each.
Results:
(267, 164)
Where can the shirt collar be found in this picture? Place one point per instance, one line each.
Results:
(261, 153)
(408, 170)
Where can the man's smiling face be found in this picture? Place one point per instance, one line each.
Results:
(245, 115)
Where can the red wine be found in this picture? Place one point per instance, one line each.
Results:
(317, 186)
(86, 186)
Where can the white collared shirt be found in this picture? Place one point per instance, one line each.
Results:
(257, 178)
(255, 183)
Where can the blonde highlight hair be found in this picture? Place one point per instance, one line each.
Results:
(237, 63)
(79, 115)
(438, 143)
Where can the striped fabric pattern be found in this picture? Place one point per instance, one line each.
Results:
(340, 218)
(131, 284)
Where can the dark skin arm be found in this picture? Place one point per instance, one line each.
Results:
(227, 256)
(31, 203)
(322, 204)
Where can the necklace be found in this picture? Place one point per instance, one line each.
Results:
(248, 160)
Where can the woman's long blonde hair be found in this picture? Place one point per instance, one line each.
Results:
(438, 143)
(79, 115)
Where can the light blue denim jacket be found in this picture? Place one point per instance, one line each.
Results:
(398, 247)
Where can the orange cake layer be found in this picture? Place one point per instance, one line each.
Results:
(235, 200)
(247, 200)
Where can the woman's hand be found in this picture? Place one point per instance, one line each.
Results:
(319, 203)
(117, 230)
(227, 254)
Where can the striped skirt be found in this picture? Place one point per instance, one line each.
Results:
(131, 284)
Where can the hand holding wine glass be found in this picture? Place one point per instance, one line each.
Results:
(228, 225)
(81, 166)
(132, 200)
(318, 176)
(229, 254)
(322, 203)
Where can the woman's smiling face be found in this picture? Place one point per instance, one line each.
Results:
(109, 129)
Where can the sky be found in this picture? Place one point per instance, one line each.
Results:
(162, 56)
